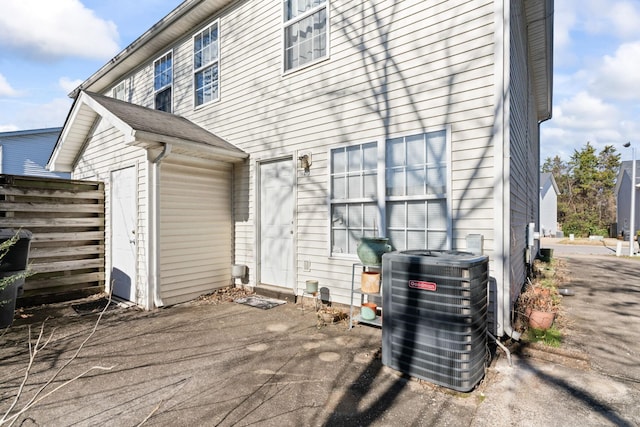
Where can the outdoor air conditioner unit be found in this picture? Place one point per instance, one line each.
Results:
(434, 316)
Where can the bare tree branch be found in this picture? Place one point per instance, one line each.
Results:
(32, 355)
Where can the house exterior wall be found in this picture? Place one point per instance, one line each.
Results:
(195, 228)
(105, 152)
(395, 68)
(623, 198)
(548, 209)
(524, 153)
(27, 152)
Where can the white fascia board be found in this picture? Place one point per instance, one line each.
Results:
(149, 139)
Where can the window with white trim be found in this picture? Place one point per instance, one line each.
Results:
(415, 204)
(120, 91)
(305, 32)
(354, 210)
(163, 82)
(206, 50)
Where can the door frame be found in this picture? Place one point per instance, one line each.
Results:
(258, 223)
(134, 279)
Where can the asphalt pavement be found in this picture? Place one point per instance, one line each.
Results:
(228, 364)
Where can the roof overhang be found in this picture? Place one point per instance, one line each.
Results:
(177, 24)
(539, 15)
(141, 127)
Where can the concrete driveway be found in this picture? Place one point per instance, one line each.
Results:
(230, 364)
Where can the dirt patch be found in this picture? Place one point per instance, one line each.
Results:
(223, 295)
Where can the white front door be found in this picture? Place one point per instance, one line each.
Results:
(276, 223)
(123, 233)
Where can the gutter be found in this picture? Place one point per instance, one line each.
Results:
(154, 228)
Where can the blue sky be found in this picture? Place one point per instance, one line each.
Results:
(47, 47)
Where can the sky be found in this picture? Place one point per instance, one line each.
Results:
(48, 47)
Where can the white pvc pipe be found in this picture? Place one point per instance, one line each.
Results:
(632, 226)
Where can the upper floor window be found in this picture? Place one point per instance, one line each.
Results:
(412, 212)
(305, 32)
(120, 91)
(162, 82)
(205, 65)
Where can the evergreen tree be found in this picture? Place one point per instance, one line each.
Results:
(586, 203)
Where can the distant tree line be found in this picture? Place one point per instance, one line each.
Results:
(586, 203)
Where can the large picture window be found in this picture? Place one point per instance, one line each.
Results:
(305, 32)
(414, 206)
(206, 53)
(163, 82)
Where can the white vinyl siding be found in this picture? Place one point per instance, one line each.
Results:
(27, 152)
(206, 53)
(524, 154)
(305, 32)
(195, 230)
(397, 68)
(105, 151)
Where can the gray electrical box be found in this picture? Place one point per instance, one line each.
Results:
(475, 244)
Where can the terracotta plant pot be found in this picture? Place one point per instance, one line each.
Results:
(368, 311)
(540, 319)
(370, 282)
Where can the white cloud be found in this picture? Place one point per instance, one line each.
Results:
(5, 88)
(584, 111)
(605, 17)
(46, 30)
(584, 118)
(8, 128)
(618, 75)
(623, 18)
(69, 85)
(20, 114)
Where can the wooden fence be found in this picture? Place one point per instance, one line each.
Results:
(67, 221)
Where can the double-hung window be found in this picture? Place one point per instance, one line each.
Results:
(120, 91)
(412, 213)
(163, 82)
(206, 53)
(305, 32)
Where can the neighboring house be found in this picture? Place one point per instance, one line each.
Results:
(312, 124)
(548, 205)
(26, 152)
(623, 197)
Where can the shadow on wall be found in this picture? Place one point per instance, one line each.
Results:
(121, 283)
(325, 297)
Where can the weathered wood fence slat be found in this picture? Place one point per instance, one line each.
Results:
(67, 220)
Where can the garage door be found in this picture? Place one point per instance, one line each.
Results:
(195, 230)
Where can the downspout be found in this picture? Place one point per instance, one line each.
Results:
(154, 234)
(502, 165)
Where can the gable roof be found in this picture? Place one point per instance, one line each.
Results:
(28, 132)
(179, 22)
(547, 177)
(141, 126)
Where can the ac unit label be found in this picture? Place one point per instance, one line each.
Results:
(423, 286)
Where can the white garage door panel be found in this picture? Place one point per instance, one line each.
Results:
(195, 231)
